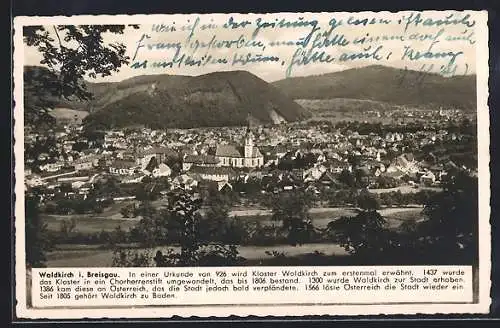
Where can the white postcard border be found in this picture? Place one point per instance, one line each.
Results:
(22, 311)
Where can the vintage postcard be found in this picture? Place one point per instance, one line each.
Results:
(278, 164)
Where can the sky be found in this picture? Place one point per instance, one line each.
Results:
(411, 33)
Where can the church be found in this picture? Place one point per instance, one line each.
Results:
(247, 155)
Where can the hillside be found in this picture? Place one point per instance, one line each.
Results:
(215, 99)
(386, 84)
(107, 93)
(68, 115)
(346, 105)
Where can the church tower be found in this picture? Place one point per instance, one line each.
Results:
(249, 144)
(249, 138)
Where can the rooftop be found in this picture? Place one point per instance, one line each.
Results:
(201, 159)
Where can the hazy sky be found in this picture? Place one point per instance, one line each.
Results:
(431, 31)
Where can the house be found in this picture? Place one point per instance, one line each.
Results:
(314, 173)
(406, 162)
(428, 178)
(122, 167)
(133, 178)
(184, 181)
(393, 172)
(439, 170)
(158, 152)
(85, 163)
(205, 187)
(34, 181)
(77, 184)
(51, 167)
(224, 186)
(376, 171)
(163, 170)
(313, 189)
(212, 173)
(68, 145)
(281, 151)
(327, 179)
(199, 160)
(338, 166)
(246, 156)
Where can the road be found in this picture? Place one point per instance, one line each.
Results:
(404, 189)
(58, 175)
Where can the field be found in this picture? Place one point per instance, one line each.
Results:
(111, 218)
(104, 258)
(95, 255)
(91, 223)
(68, 114)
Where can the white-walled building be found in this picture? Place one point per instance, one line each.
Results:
(246, 156)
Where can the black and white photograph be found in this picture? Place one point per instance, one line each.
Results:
(259, 140)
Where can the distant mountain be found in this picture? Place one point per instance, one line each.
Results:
(160, 101)
(386, 84)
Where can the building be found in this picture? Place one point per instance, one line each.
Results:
(428, 178)
(86, 163)
(122, 167)
(199, 160)
(246, 156)
(163, 170)
(160, 153)
(184, 181)
(212, 173)
(51, 167)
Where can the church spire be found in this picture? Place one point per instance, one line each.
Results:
(249, 122)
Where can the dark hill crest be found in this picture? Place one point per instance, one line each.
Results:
(386, 84)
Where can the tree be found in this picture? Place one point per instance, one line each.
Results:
(368, 201)
(386, 199)
(150, 231)
(118, 236)
(452, 220)
(70, 53)
(385, 182)
(347, 178)
(216, 214)
(36, 234)
(181, 222)
(183, 211)
(130, 258)
(128, 211)
(354, 161)
(67, 227)
(364, 235)
(292, 210)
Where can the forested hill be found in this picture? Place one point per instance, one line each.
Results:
(386, 84)
(214, 99)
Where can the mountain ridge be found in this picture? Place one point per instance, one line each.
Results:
(230, 97)
(386, 84)
(213, 99)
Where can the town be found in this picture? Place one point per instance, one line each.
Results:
(318, 156)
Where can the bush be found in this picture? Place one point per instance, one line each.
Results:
(131, 258)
